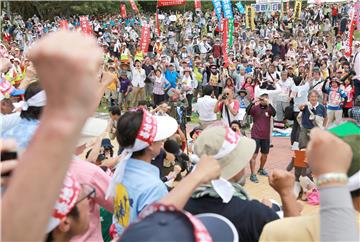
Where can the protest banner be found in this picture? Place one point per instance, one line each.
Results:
(227, 9)
(85, 25)
(297, 9)
(64, 24)
(167, 3)
(247, 16)
(133, 6)
(123, 10)
(197, 4)
(225, 46)
(348, 49)
(145, 38)
(240, 7)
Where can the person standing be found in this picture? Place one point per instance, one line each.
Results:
(261, 111)
(148, 82)
(228, 106)
(138, 82)
(188, 84)
(159, 83)
(206, 105)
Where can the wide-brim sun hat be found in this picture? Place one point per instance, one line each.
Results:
(211, 140)
(92, 129)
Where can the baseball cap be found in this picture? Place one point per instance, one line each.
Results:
(232, 151)
(169, 224)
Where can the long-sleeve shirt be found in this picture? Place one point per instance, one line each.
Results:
(138, 77)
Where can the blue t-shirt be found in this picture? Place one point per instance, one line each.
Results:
(141, 186)
(171, 77)
(320, 110)
(22, 132)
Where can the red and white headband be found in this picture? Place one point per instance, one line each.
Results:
(144, 138)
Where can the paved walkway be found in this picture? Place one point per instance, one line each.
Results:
(279, 157)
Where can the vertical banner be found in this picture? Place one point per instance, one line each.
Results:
(64, 24)
(197, 4)
(157, 23)
(85, 25)
(217, 8)
(167, 3)
(123, 10)
(240, 7)
(231, 31)
(297, 9)
(357, 15)
(145, 38)
(252, 18)
(227, 9)
(133, 6)
(225, 46)
(288, 6)
(348, 50)
(247, 16)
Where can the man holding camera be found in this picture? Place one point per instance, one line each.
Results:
(228, 106)
(261, 111)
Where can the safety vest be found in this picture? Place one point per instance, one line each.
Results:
(139, 55)
(124, 56)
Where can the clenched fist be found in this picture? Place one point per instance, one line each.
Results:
(208, 168)
(67, 64)
(282, 181)
(327, 153)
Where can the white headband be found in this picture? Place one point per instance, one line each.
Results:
(354, 182)
(144, 138)
(38, 100)
(222, 186)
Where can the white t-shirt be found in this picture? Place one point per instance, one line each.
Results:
(206, 106)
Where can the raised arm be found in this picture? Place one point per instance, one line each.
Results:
(66, 62)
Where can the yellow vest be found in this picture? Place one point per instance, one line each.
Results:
(139, 55)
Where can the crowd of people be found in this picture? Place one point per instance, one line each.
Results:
(169, 162)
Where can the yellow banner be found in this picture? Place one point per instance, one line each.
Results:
(252, 18)
(297, 9)
(247, 16)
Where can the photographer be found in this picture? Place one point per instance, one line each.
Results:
(228, 106)
(261, 111)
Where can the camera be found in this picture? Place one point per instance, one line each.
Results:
(224, 97)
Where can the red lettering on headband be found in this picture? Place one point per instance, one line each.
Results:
(231, 137)
(148, 128)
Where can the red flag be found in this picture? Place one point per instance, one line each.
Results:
(225, 46)
(133, 6)
(157, 23)
(64, 24)
(197, 4)
(166, 3)
(351, 33)
(123, 10)
(85, 25)
(145, 38)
